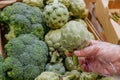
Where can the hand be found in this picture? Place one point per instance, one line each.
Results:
(100, 57)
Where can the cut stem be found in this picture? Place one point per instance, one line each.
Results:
(75, 60)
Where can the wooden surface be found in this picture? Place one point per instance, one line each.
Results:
(88, 2)
(96, 24)
(114, 4)
(4, 3)
(92, 29)
(111, 28)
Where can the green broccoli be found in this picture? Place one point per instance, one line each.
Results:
(27, 57)
(10, 69)
(23, 19)
(2, 74)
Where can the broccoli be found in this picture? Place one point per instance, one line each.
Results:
(26, 57)
(23, 19)
(2, 74)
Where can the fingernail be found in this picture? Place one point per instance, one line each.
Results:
(77, 53)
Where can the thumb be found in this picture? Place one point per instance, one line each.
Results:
(87, 52)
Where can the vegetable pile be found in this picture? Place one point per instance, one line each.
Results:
(42, 36)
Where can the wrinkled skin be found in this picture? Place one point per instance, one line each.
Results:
(100, 57)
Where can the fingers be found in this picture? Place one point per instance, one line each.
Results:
(87, 52)
(95, 66)
(92, 42)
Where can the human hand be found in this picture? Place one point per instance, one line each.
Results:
(100, 57)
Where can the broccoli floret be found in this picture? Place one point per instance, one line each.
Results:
(27, 57)
(2, 74)
(13, 70)
(23, 19)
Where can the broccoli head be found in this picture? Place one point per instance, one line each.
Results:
(22, 19)
(27, 57)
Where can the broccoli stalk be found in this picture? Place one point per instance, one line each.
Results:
(71, 63)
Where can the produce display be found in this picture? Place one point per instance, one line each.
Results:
(41, 38)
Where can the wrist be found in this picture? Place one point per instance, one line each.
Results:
(117, 65)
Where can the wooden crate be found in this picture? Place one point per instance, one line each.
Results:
(88, 2)
(93, 30)
(4, 3)
(94, 21)
(3, 41)
(103, 10)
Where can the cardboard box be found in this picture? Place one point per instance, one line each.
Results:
(111, 28)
